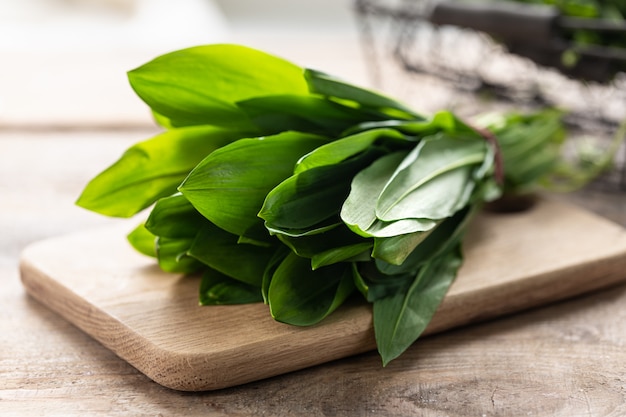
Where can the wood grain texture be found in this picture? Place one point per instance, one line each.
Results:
(563, 360)
(152, 320)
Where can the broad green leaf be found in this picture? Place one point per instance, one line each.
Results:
(218, 289)
(312, 196)
(430, 180)
(317, 229)
(400, 319)
(279, 256)
(230, 185)
(152, 169)
(341, 149)
(142, 240)
(405, 253)
(395, 250)
(394, 228)
(200, 85)
(328, 85)
(172, 255)
(359, 209)
(219, 250)
(174, 217)
(303, 297)
(278, 113)
(356, 252)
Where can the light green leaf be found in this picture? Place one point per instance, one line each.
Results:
(431, 179)
(200, 85)
(142, 240)
(230, 185)
(358, 211)
(152, 169)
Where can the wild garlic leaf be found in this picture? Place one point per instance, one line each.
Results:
(351, 253)
(346, 147)
(300, 296)
(229, 186)
(359, 209)
(401, 318)
(310, 197)
(174, 217)
(152, 169)
(221, 251)
(219, 289)
(428, 181)
(328, 85)
(200, 85)
(172, 255)
(142, 240)
(405, 253)
(334, 245)
(304, 113)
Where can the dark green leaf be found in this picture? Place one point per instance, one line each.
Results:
(312, 196)
(152, 169)
(230, 185)
(221, 251)
(172, 255)
(328, 85)
(400, 319)
(278, 113)
(218, 289)
(174, 217)
(301, 296)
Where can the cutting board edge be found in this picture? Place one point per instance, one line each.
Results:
(163, 365)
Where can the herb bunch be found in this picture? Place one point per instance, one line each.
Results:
(288, 186)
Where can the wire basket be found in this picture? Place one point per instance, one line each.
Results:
(432, 66)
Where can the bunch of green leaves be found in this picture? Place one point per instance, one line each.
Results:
(287, 186)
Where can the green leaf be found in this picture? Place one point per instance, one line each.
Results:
(221, 251)
(172, 255)
(432, 179)
(328, 85)
(152, 169)
(359, 209)
(312, 196)
(356, 252)
(303, 297)
(278, 113)
(201, 85)
(174, 217)
(218, 289)
(142, 240)
(400, 319)
(230, 185)
(341, 149)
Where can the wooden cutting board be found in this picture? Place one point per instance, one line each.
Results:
(152, 319)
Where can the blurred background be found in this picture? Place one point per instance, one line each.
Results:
(64, 62)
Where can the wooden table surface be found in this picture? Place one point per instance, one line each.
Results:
(567, 359)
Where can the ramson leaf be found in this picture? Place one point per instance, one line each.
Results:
(200, 85)
(152, 169)
(230, 185)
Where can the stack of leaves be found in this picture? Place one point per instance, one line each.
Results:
(287, 186)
